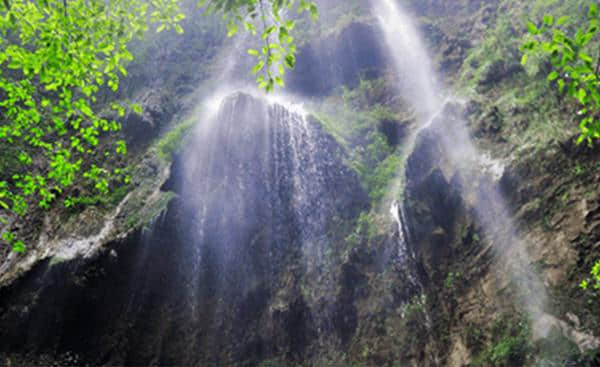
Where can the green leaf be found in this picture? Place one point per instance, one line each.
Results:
(313, 11)
(585, 57)
(258, 67)
(562, 20)
(19, 247)
(532, 28)
(553, 75)
(290, 61)
(593, 11)
(121, 147)
(137, 108)
(582, 96)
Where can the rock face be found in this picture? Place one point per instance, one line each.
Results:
(342, 58)
(216, 279)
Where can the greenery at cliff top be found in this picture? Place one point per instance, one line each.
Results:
(61, 61)
(575, 61)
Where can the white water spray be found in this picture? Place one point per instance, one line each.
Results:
(412, 61)
(419, 87)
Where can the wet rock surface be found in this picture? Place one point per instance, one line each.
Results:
(342, 58)
(198, 287)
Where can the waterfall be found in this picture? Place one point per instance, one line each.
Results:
(417, 80)
(418, 85)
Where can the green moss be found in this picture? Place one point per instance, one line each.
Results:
(171, 142)
(355, 124)
(333, 128)
(452, 280)
(111, 200)
(378, 181)
(145, 215)
(364, 231)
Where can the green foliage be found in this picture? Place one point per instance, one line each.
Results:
(279, 50)
(59, 63)
(511, 344)
(574, 71)
(356, 125)
(171, 141)
(416, 308)
(365, 230)
(492, 57)
(110, 200)
(594, 281)
(56, 59)
(451, 280)
(377, 182)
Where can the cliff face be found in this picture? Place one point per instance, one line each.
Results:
(217, 277)
(267, 241)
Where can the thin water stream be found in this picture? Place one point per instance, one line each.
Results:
(419, 86)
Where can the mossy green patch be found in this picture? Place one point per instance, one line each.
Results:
(511, 343)
(171, 142)
(356, 124)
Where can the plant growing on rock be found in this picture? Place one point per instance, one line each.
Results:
(594, 281)
(574, 70)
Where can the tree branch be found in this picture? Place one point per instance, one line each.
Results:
(267, 39)
(7, 4)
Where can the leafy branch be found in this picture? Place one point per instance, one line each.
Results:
(279, 50)
(573, 70)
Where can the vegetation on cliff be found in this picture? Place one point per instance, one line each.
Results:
(62, 62)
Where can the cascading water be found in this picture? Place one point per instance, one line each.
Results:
(417, 80)
(260, 186)
(441, 120)
(419, 88)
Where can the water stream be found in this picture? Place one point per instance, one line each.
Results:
(418, 84)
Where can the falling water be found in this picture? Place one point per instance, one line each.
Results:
(420, 89)
(413, 63)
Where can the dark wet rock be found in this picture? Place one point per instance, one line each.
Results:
(201, 285)
(393, 130)
(339, 59)
(158, 109)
